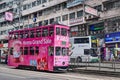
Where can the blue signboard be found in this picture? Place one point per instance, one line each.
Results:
(72, 3)
(112, 37)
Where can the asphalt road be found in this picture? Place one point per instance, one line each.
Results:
(8, 73)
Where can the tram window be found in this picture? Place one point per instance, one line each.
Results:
(31, 34)
(16, 36)
(25, 50)
(31, 50)
(64, 32)
(21, 35)
(58, 51)
(13, 36)
(64, 51)
(37, 51)
(44, 32)
(10, 36)
(57, 31)
(51, 51)
(21, 50)
(26, 35)
(11, 51)
(51, 31)
(38, 33)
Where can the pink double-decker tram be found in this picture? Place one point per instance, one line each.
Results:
(41, 48)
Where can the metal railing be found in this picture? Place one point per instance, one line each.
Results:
(106, 66)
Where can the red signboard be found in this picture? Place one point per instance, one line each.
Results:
(1, 45)
(91, 10)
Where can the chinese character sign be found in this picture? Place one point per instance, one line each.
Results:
(8, 16)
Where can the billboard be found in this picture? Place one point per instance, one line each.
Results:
(8, 16)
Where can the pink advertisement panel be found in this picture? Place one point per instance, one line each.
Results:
(8, 16)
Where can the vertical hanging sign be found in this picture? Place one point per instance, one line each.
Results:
(8, 16)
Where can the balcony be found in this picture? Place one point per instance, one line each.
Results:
(42, 6)
(110, 13)
(5, 36)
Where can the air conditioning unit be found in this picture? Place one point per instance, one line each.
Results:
(105, 9)
(88, 17)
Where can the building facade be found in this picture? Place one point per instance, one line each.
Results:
(32, 13)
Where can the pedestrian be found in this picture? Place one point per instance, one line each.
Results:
(6, 56)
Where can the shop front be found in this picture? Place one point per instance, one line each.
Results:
(112, 42)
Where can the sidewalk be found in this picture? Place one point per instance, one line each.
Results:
(96, 71)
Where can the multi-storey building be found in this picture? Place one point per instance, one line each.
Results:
(32, 13)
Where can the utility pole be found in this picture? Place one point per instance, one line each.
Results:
(84, 10)
(84, 15)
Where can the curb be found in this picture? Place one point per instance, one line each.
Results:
(96, 72)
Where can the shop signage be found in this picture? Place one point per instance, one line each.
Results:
(1, 45)
(74, 28)
(77, 21)
(91, 10)
(112, 37)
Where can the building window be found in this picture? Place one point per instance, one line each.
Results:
(79, 13)
(64, 5)
(65, 17)
(40, 13)
(24, 7)
(51, 20)
(38, 2)
(50, 0)
(33, 3)
(72, 15)
(40, 23)
(111, 5)
(29, 5)
(99, 7)
(45, 22)
(35, 15)
(57, 7)
(43, 1)
(58, 18)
